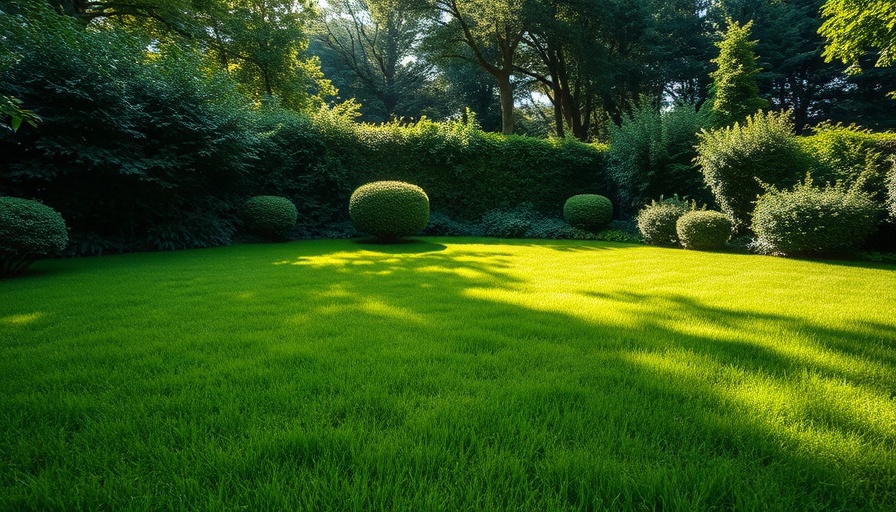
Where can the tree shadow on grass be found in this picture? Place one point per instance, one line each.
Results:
(401, 246)
(402, 378)
(760, 405)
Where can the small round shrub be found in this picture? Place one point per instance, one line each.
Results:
(389, 210)
(657, 220)
(810, 220)
(588, 211)
(703, 229)
(269, 216)
(28, 231)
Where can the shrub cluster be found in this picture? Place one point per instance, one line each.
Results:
(389, 210)
(810, 220)
(737, 161)
(651, 154)
(658, 220)
(852, 156)
(269, 216)
(28, 231)
(590, 212)
(703, 230)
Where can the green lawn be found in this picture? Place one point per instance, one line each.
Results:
(448, 374)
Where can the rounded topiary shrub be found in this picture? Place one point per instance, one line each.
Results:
(588, 211)
(270, 216)
(657, 220)
(703, 229)
(389, 210)
(28, 231)
(810, 220)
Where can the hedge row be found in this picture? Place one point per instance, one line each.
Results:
(464, 170)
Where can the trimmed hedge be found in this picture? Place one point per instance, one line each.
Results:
(269, 216)
(29, 231)
(389, 210)
(465, 171)
(588, 211)
(810, 220)
(704, 230)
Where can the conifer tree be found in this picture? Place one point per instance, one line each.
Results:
(734, 93)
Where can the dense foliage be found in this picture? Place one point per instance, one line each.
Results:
(811, 220)
(703, 229)
(891, 190)
(389, 210)
(734, 93)
(136, 150)
(269, 216)
(28, 231)
(651, 154)
(588, 211)
(852, 156)
(658, 220)
(854, 28)
(736, 161)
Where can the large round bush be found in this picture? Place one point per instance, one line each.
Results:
(810, 220)
(389, 209)
(737, 160)
(269, 216)
(703, 229)
(28, 231)
(588, 211)
(657, 220)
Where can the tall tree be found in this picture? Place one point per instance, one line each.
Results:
(373, 47)
(262, 44)
(734, 93)
(259, 43)
(492, 31)
(854, 27)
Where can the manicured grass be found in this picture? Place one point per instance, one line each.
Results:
(448, 374)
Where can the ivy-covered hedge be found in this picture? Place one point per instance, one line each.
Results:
(467, 172)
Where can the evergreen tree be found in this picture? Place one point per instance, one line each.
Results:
(734, 93)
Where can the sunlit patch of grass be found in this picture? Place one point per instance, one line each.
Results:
(448, 374)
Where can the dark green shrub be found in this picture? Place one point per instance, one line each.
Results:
(891, 190)
(269, 216)
(703, 229)
(588, 211)
(810, 220)
(657, 220)
(130, 144)
(510, 222)
(651, 154)
(736, 160)
(28, 231)
(443, 225)
(389, 209)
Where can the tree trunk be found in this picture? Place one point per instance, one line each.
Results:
(505, 91)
